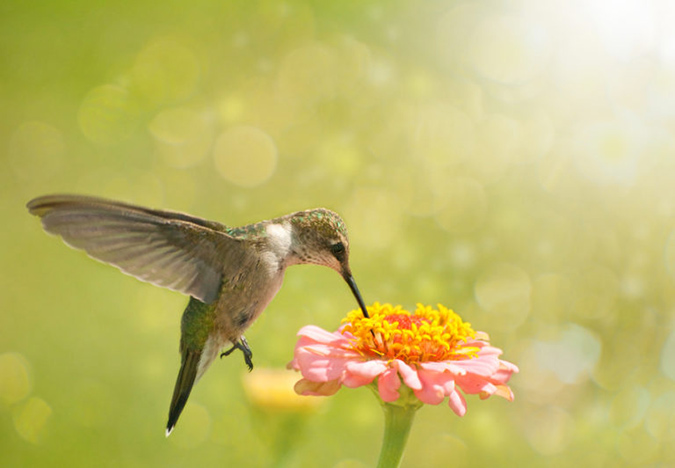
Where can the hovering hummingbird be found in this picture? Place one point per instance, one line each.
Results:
(230, 273)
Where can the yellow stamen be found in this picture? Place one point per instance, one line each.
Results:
(427, 334)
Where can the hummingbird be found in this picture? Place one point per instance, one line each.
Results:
(230, 273)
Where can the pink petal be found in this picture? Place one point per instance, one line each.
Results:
(481, 365)
(474, 384)
(320, 362)
(320, 368)
(362, 373)
(449, 386)
(306, 387)
(457, 403)
(432, 391)
(323, 371)
(318, 351)
(408, 374)
(503, 374)
(443, 366)
(504, 391)
(319, 335)
(476, 343)
(388, 385)
(482, 336)
(487, 390)
(487, 350)
(321, 349)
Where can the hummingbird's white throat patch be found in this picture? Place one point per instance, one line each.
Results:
(279, 241)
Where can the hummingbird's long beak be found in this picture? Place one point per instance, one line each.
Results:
(347, 275)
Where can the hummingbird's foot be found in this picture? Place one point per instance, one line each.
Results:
(243, 346)
(248, 354)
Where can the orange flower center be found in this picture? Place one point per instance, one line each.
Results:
(425, 335)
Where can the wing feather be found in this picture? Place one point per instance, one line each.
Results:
(169, 249)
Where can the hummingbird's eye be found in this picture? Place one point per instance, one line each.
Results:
(337, 249)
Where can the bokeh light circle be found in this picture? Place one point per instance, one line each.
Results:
(183, 136)
(15, 380)
(509, 49)
(165, 71)
(505, 292)
(36, 151)
(245, 155)
(466, 205)
(108, 114)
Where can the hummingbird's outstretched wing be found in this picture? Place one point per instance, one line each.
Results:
(172, 250)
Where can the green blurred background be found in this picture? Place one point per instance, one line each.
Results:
(512, 160)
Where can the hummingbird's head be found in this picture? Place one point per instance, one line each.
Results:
(320, 238)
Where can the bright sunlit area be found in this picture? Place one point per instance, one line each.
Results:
(513, 161)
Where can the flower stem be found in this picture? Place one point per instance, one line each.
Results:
(397, 423)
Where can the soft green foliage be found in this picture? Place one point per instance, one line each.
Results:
(511, 159)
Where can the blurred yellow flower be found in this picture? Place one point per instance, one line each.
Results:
(272, 389)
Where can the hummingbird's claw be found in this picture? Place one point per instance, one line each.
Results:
(249, 362)
(248, 354)
(242, 345)
(228, 352)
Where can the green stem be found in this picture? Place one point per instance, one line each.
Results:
(397, 423)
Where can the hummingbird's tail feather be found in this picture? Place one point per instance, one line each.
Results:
(184, 382)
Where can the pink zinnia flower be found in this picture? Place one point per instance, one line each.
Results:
(432, 351)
